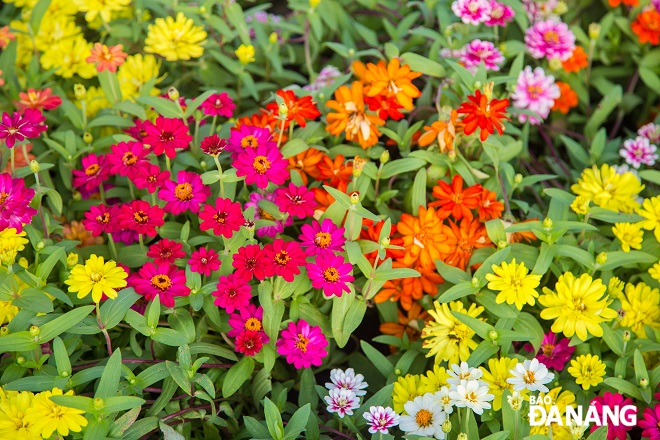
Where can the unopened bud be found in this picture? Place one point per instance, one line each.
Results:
(451, 155)
(40, 246)
(518, 178)
(98, 403)
(79, 91)
(4, 331)
(273, 37)
(71, 260)
(493, 335)
(249, 225)
(34, 330)
(561, 8)
(321, 96)
(547, 223)
(643, 382)
(385, 242)
(385, 157)
(477, 85)
(76, 195)
(351, 52)
(20, 360)
(283, 110)
(88, 138)
(173, 93)
(34, 166)
(475, 282)
(355, 197)
(601, 258)
(314, 3)
(594, 30)
(555, 64)
(23, 262)
(202, 9)
(398, 371)
(64, 374)
(462, 436)
(626, 336)
(202, 163)
(446, 426)
(502, 244)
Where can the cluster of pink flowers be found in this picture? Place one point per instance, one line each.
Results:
(15, 198)
(550, 39)
(488, 12)
(535, 91)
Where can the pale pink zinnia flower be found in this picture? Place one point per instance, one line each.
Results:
(347, 380)
(638, 151)
(381, 419)
(540, 10)
(342, 402)
(651, 132)
(477, 51)
(472, 11)
(500, 14)
(550, 39)
(535, 92)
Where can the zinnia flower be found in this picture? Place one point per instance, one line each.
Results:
(213, 145)
(295, 200)
(276, 225)
(477, 51)
(249, 136)
(262, 166)
(38, 100)
(444, 132)
(535, 92)
(454, 200)
(127, 159)
(15, 199)
(392, 80)
(150, 177)
(249, 342)
(499, 370)
(20, 126)
(500, 14)
(185, 194)
(639, 151)
(483, 113)
(167, 135)
(232, 293)
(250, 261)
(176, 39)
(651, 132)
(647, 26)
(553, 353)
(141, 217)
(650, 422)
(302, 344)
(330, 273)
(514, 283)
(96, 277)
(95, 172)
(299, 109)
(101, 219)
(530, 375)
(588, 370)
(424, 417)
(218, 104)
(102, 9)
(166, 251)
(614, 402)
(447, 338)
(577, 61)
(163, 280)
(107, 58)
(609, 189)
(567, 98)
(322, 238)
(342, 402)
(630, 235)
(46, 417)
(340, 379)
(225, 217)
(249, 318)
(473, 395)
(381, 419)
(550, 39)
(640, 307)
(472, 11)
(204, 261)
(349, 116)
(283, 259)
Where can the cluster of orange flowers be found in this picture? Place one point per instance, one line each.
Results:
(647, 26)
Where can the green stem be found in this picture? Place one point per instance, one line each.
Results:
(215, 119)
(12, 153)
(113, 247)
(103, 329)
(222, 183)
(168, 164)
(279, 141)
(195, 149)
(141, 238)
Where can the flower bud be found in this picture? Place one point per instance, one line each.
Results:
(23, 262)
(580, 205)
(355, 197)
(518, 178)
(20, 360)
(502, 244)
(321, 96)
(4, 331)
(173, 93)
(384, 157)
(398, 371)
(76, 195)
(601, 258)
(643, 382)
(493, 335)
(71, 260)
(202, 164)
(98, 403)
(64, 374)
(446, 426)
(34, 330)
(477, 85)
(475, 282)
(34, 166)
(40, 246)
(626, 336)
(202, 10)
(88, 138)
(249, 225)
(547, 223)
(555, 64)
(358, 165)
(451, 155)
(594, 30)
(273, 38)
(79, 91)
(462, 436)
(283, 110)
(561, 8)
(314, 3)
(385, 242)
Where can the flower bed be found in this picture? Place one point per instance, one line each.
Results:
(329, 219)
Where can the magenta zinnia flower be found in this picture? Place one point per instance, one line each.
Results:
(472, 11)
(127, 158)
(261, 166)
(185, 194)
(302, 344)
(247, 136)
(298, 201)
(95, 172)
(638, 151)
(18, 127)
(139, 130)
(284, 258)
(249, 342)
(101, 219)
(204, 261)
(553, 353)
(141, 217)
(500, 14)
(535, 92)
(330, 273)
(260, 214)
(249, 318)
(167, 136)
(163, 280)
(224, 218)
(615, 402)
(150, 177)
(218, 104)
(166, 251)
(322, 239)
(15, 198)
(550, 39)
(651, 423)
(232, 293)
(249, 260)
(477, 51)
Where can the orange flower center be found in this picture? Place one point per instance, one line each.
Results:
(331, 274)
(183, 191)
(529, 377)
(92, 169)
(129, 158)
(220, 217)
(282, 258)
(141, 217)
(253, 324)
(161, 282)
(534, 91)
(551, 37)
(424, 418)
(547, 349)
(261, 164)
(3, 197)
(106, 55)
(301, 342)
(103, 218)
(323, 239)
(249, 141)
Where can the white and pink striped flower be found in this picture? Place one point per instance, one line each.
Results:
(381, 419)
(500, 14)
(477, 51)
(342, 402)
(651, 132)
(550, 39)
(472, 12)
(536, 92)
(639, 151)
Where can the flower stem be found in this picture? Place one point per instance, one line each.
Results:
(103, 329)
(12, 153)
(222, 183)
(215, 119)
(279, 141)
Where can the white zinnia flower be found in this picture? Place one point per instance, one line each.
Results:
(531, 375)
(342, 402)
(445, 401)
(473, 395)
(347, 380)
(463, 372)
(425, 417)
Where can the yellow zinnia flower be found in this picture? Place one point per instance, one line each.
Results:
(609, 189)
(7, 311)
(654, 271)
(581, 205)
(405, 389)
(651, 212)
(578, 306)
(101, 8)
(245, 54)
(587, 370)
(434, 380)
(630, 235)
(97, 277)
(515, 284)
(641, 307)
(135, 73)
(13, 421)
(448, 338)
(175, 40)
(615, 287)
(47, 417)
(69, 58)
(496, 376)
(11, 243)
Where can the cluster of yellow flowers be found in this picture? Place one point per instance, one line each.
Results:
(11, 243)
(28, 416)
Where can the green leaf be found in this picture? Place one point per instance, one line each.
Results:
(598, 434)
(422, 64)
(384, 274)
(450, 273)
(297, 423)
(141, 428)
(640, 367)
(493, 260)
(78, 402)
(401, 166)
(182, 322)
(163, 106)
(193, 104)
(212, 349)
(169, 337)
(460, 290)
(113, 311)
(179, 377)
(624, 387)
(33, 300)
(45, 268)
(121, 403)
(382, 364)
(617, 259)
(273, 419)
(576, 150)
(61, 358)
(110, 86)
(63, 323)
(37, 14)
(293, 147)
(610, 101)
(124, 422)
(479, 327)
(153, 312)
(169, 433)
(109, 383)
(236, 376)
(347, 314)
(418, 191)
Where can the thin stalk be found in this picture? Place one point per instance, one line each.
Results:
(103, 329)
(222, 183)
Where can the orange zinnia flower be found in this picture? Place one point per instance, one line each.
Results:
(631, 3)
(336, 171)
(107, 58)
(408, 324)
(76, 231)
(489, 207)
(305, 164)
(483, 114)
(372, 232)
(392, 79)
(5, 36)
(430, 278)
(577, 61)
(443, 132)
(567, 98)
(647, 27)
(360, 70)
(38, 99)
(454, 201)
(299, 109)
(263, 119)
(424, 237)
(401, 290)
(470, 235)
(350, 116)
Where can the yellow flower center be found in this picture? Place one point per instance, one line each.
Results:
(220, 217)
(282, 257)
(129, 158)
(96, 276)
(551, 37)
(104, 218)
(547, 349)
(183, 191)
(161, 282)
(92, 169)
(3, 196)
(534, 91)
(323, 239)
(249, 141)
(529, 377)
(301, 342)
(458, 333)
(253, 324)
(261, 164)
(140, 217)
(331, 274)
(424, 418)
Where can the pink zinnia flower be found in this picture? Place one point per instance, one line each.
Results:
(185, 194)
(322, 238)
(381, 419)
(95, 171)
(18, 127)
(249, 318)
(167, 136)
(284, 258)
(127, 158)
(638, 151)
(553, 353)
(141, 217)
(38, 100)
(204, 261)
(150, 177)
(249, 342)
(535, 92)
(261, 166)
(249, 260)
(139, 130)
(540, 10)
(650, 423)
(477, 51)
(330, 273)
(218, 104)
(247, 137)
(260, 214)
(166, 251)
(225, 217)
(101, 219)
(651, 132)
(163, 280)
(302, 344)
(342, 402)
(15, 198)
(500, 14)
(298, 201)
(325, 78)
(615, 402)
(213, 145)
(550, 39)
(232, 293)
(472, 11)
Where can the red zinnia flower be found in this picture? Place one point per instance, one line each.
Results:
(386, 107)
(166, 136)
(139, 130)
(95, 172)
(249, 260)
(101, 219)
(298, 201)
(249, 342)
(262, 166)
(218, 104)
(204, 261)
(127, 158)
(38, 100)
(454, 201)
(15, 199)
(162, 280)
(224, 218)
(298, 109)
(166, 251)
(232, 293)
(18, 127)
(185, 194)
(489, 207)
(284, 259)
(213, 145)
(647, 26)
(150, 177)
(141, 217)
(483, 114)
(249, 318)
